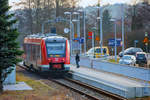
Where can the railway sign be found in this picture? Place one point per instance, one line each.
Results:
(81, 40)
(76, 39)
(53, 30)
(146, 34)
(58, 19)
(90, 35)
(111, 42)
(97, 38)
(136, 41)
(75, 35)
(145, 40)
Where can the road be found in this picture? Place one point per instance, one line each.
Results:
(147, 66)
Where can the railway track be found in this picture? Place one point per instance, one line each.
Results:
(91, 92)
(87, 90)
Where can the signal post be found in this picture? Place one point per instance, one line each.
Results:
(145, 41)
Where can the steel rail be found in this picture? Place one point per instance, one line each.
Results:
(100, 91)
(61, 83)
(76, 90)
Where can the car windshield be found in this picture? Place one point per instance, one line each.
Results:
(137, 50)
(91, 50)
(141, 55)
(55, 48)
(126, 57)
(98, 50)
(128, 49)
(134, 50)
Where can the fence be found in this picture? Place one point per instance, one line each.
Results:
(130, 71)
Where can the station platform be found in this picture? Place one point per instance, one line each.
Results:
(117, 84)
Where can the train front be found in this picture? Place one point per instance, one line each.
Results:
(57, 54)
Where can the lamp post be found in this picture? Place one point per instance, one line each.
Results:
(84, 32)
(69, 13)
(78, 28)
(115, 30)
(101, 29)
(84, 28)
(123, 29)
(93, 39)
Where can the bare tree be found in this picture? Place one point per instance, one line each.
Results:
(38, 11)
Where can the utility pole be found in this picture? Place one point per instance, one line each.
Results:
(115, 31)
(101, 27)
(70, 15)
(93, 42)
(123, 29)
(79, 32)
(70, 34)
(84, 28)
(98, 2)
(101, 30)
(84, 32)
(115, 41)
(78, 29)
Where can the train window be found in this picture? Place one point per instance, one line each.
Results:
(25, 48)
(55, 49)
(28, 51)
(38, 51)
(98, 50)
(34, 52)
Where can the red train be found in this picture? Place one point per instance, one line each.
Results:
(47, 53)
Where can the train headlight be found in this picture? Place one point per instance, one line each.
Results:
(49, 60)
(63, 60)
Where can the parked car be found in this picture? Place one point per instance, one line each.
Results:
(96, 52)
(128, 60)
(130, 51)
(141, 58)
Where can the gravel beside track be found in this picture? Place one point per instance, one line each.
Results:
(57, 87)
(83, 90)
(75, 90)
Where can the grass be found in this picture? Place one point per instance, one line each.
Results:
(39, 92)
(113, 61)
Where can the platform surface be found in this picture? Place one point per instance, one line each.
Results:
(18, 86)
(117, 84)
(113, 78)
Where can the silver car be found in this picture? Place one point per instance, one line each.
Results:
(128, 60)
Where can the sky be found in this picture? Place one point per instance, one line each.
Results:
(85, 3)
(11, 1)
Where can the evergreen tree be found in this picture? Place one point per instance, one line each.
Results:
(107, 24)
(9, 48)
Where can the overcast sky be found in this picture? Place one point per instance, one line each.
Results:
(85, 3)
(91, 2)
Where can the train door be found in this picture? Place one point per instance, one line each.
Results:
(38, 56)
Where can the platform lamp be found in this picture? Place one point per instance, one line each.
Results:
(70, 14)
(84, 27)
(78, 27)
(115, 28)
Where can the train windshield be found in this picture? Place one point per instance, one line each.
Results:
(55, 49)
